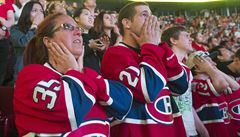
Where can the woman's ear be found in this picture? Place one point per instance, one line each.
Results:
(47, 41)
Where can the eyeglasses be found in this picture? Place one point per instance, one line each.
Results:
(68, 27)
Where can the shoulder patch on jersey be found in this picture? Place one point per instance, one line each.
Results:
(234, 109)
(161, 110)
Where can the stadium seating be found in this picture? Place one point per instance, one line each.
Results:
(7, 124)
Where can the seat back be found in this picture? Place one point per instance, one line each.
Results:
(7, 121)
(6, 100)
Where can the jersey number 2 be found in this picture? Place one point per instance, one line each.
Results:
(131, 81)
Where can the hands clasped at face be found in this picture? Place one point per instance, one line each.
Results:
(62, 59)
(38, 18)
(203, 64)
(150, 32)
(97, 44)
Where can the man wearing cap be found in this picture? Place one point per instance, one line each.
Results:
(208, 86)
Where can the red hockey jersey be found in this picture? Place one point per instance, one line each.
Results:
(234, 110)
(211, 108)
(49, 103)
(147, 74)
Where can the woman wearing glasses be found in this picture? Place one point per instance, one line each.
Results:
(21, 33)
(55, 95)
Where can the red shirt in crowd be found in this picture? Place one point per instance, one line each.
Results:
(4, 8)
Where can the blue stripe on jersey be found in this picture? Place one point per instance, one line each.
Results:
(179, 86)
(122, 100)
(81, 102)
(152, 81)
(159, 114)
(138, 111)
(210, 114)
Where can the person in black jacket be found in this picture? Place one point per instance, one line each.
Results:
(85, 20)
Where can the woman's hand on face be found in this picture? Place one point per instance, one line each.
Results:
(38, 19)
(61, 58)
(80, 61)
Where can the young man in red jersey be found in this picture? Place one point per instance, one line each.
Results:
(180, 42)
(145, 67)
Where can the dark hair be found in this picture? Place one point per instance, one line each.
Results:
(128, 11)
(36, 52)
(216, 49)
(50, 7)
(24, 22)
(193, 71)
(194, 35)
(18, 4)
(209, 40)
(79, 11)
(237, 54)
(98, 29)
(82, 3)
(224, 43)
(112, 12)
(99, 23)
(172, 32)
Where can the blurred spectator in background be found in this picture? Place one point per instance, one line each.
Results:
(179, 20)
(55, 7)
(18, 7)
(224, 54)
(21, 33)
(114, 16)
(232, 67)
(6, 21)
(104, 29)
(44, 4)
(212, 42)
(197, 43)
(91, 5)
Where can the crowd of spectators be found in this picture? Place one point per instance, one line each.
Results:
(208, 32)
(213, 56)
